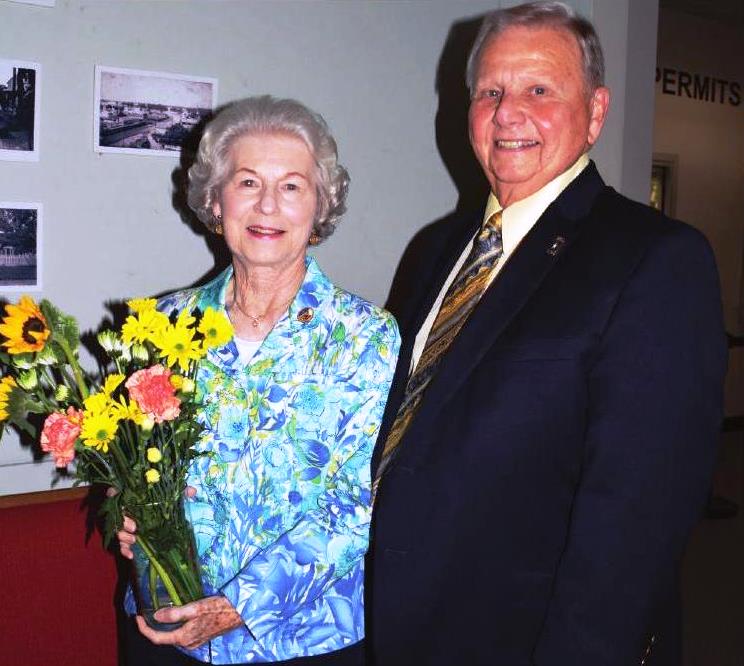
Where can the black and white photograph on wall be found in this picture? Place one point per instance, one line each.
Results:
(20, 246)
(19, 110)
(150, 113)
(43, 3)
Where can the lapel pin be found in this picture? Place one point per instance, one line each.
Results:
(556, 246)
(305, 315)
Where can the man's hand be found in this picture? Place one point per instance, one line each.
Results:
(204, 619)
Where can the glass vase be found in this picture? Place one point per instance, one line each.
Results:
(166, 566)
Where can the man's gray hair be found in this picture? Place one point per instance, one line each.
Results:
(262, 115)
(538, 15)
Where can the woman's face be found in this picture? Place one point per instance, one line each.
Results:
(269, 201)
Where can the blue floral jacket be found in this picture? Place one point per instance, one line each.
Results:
(282, 510)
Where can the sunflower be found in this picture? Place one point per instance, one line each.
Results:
(215, 327)
(24, 327)
(177, 345)
(7, 384)
(98, 430)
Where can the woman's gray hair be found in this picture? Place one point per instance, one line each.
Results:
(537, 15)
(261, 115)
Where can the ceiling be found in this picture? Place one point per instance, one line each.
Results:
(730, 11)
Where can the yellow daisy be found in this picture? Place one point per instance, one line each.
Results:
(147, 325)
(98, 430)
(215, 327)
(185, 319)
(128, 410)
(177, 345)
(24, 327)
(98, 403)
(141, 304)
(152, 476)
(111, 383)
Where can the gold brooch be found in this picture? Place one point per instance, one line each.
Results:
(305, 315)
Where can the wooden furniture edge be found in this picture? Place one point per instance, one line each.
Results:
(43, 497)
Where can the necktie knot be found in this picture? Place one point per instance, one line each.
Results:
(494, 221)
(488, 237)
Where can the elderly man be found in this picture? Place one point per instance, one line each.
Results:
(552, 428)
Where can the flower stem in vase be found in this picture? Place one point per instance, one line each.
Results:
(166, 568)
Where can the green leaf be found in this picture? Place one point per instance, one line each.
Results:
(339, 332)
(112, 515)
(23, 361)
(62, 325)
(59, 353)
(262, 366)
(24, 425)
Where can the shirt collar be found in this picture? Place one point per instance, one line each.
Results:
(313, 293)
(315, 288)
(521, 216)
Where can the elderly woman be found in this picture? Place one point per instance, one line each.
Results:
(291, 407)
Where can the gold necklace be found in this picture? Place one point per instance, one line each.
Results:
(255, 319)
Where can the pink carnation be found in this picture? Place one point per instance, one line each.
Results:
(59, 434)
(154, 394)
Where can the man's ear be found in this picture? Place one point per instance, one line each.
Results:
(598, 107)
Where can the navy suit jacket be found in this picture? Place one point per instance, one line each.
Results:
(541, 499)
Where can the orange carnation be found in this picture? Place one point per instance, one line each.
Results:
(154, 394)
(59, 434)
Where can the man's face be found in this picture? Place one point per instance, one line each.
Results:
(530, 116)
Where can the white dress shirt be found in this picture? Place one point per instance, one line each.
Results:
(516, 221)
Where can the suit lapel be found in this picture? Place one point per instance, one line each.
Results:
(443, 256)
(550, 237)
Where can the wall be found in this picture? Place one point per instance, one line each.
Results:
(370, 68)
(707, 138)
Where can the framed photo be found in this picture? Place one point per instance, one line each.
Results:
(664, 183)
(43, 3)
(148, 113)
(20, 246)
(20, 99)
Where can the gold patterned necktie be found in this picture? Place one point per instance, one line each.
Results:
(461, 298)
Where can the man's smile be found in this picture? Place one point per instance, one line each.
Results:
(515, 144)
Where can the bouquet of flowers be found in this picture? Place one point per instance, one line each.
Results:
(133, 428)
